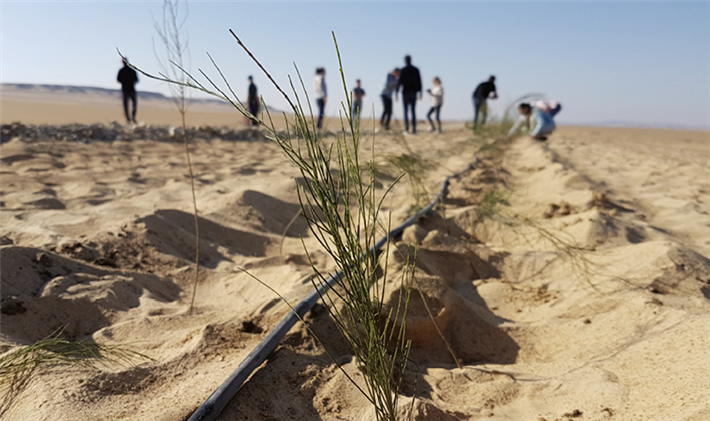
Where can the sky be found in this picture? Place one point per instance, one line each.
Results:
(641, 63)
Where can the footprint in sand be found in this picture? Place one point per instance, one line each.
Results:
(9, 160)
(47, 203)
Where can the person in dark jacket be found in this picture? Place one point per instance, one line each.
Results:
(480, 96)
(411, 84)
(253, 101)
(128, 79)
(358, 94)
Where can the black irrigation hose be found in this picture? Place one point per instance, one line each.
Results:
(212, 407)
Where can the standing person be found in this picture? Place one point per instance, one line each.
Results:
(390, 87)
(480, 96)
(358, 94)
(128, 78)
(321, 94)
(253, 102)
(537, 121)
(411, 84)
(437, 100)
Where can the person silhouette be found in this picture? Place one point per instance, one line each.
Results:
(253, 100)
(480, 97)
(128, 78)
(437, 100)
(390, 88)
(537, 121)
(411, 83)
(321, 94)
(358, 94)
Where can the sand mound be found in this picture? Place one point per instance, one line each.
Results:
(446, 313)
(264, 213)
(42, 292)
(684, 273)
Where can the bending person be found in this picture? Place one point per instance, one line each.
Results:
(480, 97)
(549, 106)
(538, 123)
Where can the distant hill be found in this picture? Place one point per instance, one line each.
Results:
(61, 104)
(90, 90)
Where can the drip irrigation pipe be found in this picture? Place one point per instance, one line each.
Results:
(212, 407)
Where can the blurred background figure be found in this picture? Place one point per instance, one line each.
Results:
(411, 84)
(128, 78)
(549, 106)
(437, 100)
(535, 121)
(321, 94)
(253, 102)
(358, 94)
(480, 96)
(390, 87)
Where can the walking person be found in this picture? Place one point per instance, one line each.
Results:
(358, 94)
(437, 100)
(390, 87)
(321, 94)
(253, 102)
(128, 78)
(411, 84)
(480, 96)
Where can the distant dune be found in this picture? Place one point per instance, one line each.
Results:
(25, 89)
(58, 104)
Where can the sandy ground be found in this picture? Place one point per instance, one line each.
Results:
(582, 292)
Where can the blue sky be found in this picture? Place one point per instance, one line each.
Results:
(639, 62)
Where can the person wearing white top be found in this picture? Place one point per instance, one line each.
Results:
(437, 100)
(321, 94)
(536, 121)
(549, 106)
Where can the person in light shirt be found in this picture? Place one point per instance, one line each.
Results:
(549, 106)
(321, 94)
(437, 100)
(537, 121)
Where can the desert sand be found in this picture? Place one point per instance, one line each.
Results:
(582, 292)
